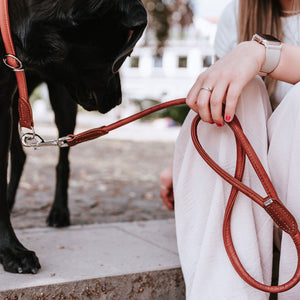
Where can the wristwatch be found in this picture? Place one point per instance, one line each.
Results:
(273, 50)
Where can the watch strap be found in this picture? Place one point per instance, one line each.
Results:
(271, 60)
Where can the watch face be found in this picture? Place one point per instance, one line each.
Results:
(268, 37)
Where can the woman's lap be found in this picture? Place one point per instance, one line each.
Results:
(284, 162)
(200, 200)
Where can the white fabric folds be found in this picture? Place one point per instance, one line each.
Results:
(201, 196)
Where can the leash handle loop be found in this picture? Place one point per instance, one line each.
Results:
(273, 206)
(271, 203)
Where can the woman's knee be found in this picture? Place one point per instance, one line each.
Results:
(254, 91)
(254, 101)
(292, 98)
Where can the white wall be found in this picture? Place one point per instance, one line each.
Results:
(169, 81)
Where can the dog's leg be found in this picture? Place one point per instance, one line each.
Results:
(17, 154)
(65, 110)
(13, 255)
(17, 159)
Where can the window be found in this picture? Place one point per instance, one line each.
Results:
(157, 61)
(134, 62)
(207, 61)
(182, 62)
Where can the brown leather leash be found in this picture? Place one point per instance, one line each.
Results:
(25, 112)
(271, 203)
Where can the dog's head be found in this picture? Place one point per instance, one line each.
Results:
(80, 43)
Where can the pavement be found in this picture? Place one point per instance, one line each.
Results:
(130, 260)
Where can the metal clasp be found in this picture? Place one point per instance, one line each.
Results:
(15, 69)
(33, 140)
(268, 202)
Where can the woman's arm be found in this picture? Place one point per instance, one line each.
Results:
(229, 75)
(288, 68)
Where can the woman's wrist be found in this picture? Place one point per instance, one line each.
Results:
(254, 50)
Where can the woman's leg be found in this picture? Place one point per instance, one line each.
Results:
(284, 165)
(200, 200)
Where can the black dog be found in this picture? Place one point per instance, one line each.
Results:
(77, 48)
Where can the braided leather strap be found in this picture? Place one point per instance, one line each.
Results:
(273, 206)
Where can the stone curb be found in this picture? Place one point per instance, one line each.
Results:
(164, 285)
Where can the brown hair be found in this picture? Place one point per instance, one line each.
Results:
(261, 16)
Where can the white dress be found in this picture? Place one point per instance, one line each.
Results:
(201, 196)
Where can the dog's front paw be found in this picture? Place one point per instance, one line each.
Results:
(58, 217)
(19, 260)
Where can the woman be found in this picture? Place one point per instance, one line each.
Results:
(237, 25)
(201, 196)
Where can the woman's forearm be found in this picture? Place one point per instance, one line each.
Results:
(288, 68)
(224, 81)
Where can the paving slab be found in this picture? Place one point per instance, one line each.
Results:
(133, 260)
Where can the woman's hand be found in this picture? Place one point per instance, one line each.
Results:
(223, 82)
(166, 187)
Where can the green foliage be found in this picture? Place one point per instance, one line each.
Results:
(176, 113)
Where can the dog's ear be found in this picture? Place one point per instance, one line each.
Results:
(133, 18)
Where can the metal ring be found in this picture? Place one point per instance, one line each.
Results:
(207, 88)
(15, 69)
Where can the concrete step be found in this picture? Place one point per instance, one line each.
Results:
(136, 260)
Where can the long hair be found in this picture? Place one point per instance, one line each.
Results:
(261, 16)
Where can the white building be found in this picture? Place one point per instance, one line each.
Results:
(147, 76)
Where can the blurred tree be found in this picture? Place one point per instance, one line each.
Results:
(165, 13)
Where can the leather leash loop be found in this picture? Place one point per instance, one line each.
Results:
(271, 203)
(11, 61)
(273, 206)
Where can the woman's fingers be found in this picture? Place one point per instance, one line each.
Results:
(207, 100)
(232, 98)
(226, 77)
(199, 97)
(208, 93)
(203, 104)
(191, 99)
(168, 197)
(216, 100)
(166, 187)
